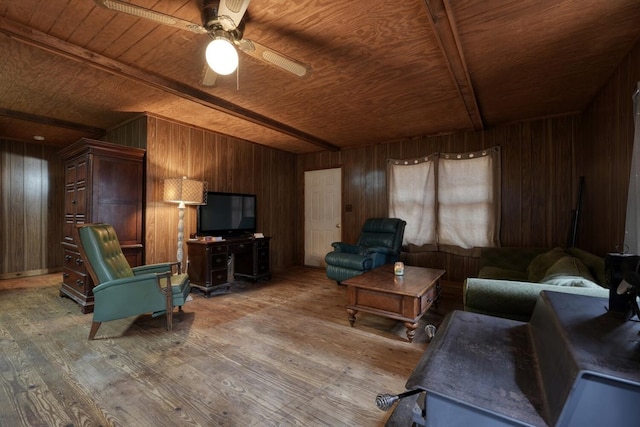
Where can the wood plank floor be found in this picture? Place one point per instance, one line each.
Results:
(275, 353)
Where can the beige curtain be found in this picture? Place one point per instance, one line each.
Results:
(469, 195)
(412, 197)
(451, 202)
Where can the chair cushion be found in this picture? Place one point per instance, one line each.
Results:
(381, 225)
(178, 281)
(102, 248)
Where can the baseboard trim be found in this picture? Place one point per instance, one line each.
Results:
(30, 273)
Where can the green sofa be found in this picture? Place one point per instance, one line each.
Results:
(510, 279)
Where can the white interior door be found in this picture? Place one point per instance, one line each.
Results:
(322, 213)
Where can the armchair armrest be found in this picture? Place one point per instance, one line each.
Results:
(381, 250)
(150, 279)
(154, 268)
(130, 296)
(345, 247)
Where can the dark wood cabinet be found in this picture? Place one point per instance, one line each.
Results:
(209, 262)
(104, 182)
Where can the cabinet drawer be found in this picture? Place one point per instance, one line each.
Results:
(77, 282)
(73, 261)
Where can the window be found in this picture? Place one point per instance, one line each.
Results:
(451, 202)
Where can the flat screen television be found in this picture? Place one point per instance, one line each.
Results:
(227, 215)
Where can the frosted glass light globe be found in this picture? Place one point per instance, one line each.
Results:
(222, 56)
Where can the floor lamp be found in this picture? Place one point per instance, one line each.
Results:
(184, 192)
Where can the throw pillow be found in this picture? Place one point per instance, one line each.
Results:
(540, 264)
(574, 281)
(568, 267)
(594, 262)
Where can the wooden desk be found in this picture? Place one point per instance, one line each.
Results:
(208, 262)
(405, 298)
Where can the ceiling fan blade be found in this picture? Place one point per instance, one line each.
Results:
(230, 13)
(142, 12)
(273, 58)
(209, 76)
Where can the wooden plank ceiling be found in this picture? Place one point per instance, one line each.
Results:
(381, 70)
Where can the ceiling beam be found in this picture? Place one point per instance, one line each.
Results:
(444, 31)
(62, 48)
(34, 118)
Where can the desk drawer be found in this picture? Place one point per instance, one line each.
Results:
(218, 260)
(261, 243)
(240, 248)
(263, 267)
(218, 277)
(263, 255)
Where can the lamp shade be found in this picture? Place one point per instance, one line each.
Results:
(184, 191)
(222, 56)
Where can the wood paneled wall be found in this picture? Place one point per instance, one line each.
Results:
(132, 133)
(227, 164)
(542, 161)
(538, 184)
(606, 143)
(31, 190)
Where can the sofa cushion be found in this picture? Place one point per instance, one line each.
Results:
(502, 274)
(540, 264)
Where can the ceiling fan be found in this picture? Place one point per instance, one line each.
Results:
(223, 21)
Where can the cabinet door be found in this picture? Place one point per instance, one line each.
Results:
(75, 200)
(117, 196)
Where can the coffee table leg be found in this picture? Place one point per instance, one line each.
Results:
(352, 315)
(411, 330)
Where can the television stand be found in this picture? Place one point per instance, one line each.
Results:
(208, 262)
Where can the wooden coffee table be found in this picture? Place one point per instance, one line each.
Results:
(405, 298)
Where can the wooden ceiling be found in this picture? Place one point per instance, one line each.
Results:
(382, 70)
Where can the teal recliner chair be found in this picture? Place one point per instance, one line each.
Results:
(380, 243)
(122, 291)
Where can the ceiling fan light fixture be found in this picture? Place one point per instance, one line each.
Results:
(139, 11)
(222, 55)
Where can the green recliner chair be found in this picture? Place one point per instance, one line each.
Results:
(380, 243)
(122, 291)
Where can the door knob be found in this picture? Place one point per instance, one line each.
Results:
(337, 225)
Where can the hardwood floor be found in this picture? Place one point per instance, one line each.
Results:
(269, 354)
